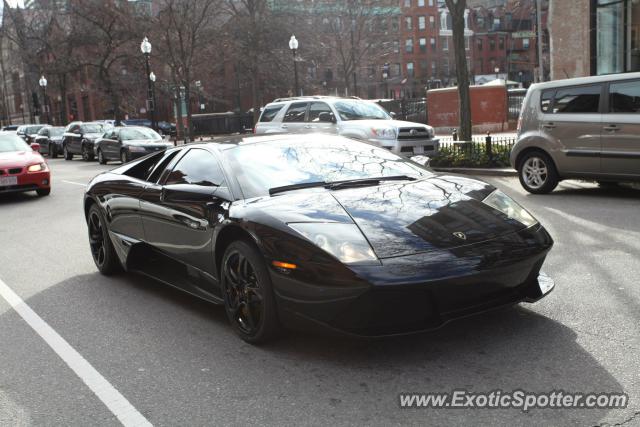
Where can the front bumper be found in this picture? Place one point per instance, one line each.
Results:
(423, 291)
(142, 151)
(29, 182)
(410, 147)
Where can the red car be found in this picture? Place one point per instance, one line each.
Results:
(22, 168)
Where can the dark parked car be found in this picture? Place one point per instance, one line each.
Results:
(50, 140)
(127, 143)
(165, 128)
(80, 138)
(10, 128)
(29, 132)
(305, 230)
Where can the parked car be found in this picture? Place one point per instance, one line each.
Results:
(296, 230)
(587, 128)
(10, 128)
(164, 128)
(22, 168)
(80, 139)
(50, 140)
(353, 118)
(29, 132)
(127, 143)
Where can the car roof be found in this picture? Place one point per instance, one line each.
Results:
(585, 80)
(314, 97)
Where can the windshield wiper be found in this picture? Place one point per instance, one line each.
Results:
(302, 185)
(367, 181)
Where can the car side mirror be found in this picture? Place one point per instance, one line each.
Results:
(188, 193)
(421, 160)
(35, 146)
(326, 117)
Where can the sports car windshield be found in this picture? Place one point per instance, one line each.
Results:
(360, 110)
(263, 166)
(9, 143)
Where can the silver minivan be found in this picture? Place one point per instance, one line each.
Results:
(587, 128)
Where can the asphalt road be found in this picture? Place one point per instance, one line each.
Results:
(177, 361)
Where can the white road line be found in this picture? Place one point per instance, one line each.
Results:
(74, 183)
(117, 403)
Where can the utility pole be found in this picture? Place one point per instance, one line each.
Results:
(539, 33)
(353, 60)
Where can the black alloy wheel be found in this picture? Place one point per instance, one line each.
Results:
(124, 156)
(248, 295)
(87, 156)
(51, 150)
(67, 154)
(102, 249)
(101, 158)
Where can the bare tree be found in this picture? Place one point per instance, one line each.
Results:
(187, 32)
(457, 9)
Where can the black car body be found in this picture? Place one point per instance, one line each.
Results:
(80, 138)
(128, 143)
(10, 128)
(367, 256)
(29, 132)
(50, 140)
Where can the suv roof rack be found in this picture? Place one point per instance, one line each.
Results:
(302, 98)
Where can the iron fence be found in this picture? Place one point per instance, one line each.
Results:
(515, 97)
(482, 151)
(412, 110)
(222, 123)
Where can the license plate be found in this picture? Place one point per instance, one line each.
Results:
(418, 150)
(6, 181)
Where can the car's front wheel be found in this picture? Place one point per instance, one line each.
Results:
(537, 173)
(67, 154)
(101, 159)
(124, 156)
(87, 155)
(248, 294)
(43, 192)
(102, 251)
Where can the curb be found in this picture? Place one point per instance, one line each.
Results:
(478, 171)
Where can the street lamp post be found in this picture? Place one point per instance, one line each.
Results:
(293, 45)
(145, 47)
(497, 70)
(152, 78)
(43, 85)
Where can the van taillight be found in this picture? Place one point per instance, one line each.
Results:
(519, 126)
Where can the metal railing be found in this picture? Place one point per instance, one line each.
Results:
(411, 110)
(482, 151)
(515, 97)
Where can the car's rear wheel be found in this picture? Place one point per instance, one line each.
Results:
(43, 192)
(248, 294)
(537, 173)
(102, 251)
(101, 158)
(87, 155)
(67, 154)
(53, 151)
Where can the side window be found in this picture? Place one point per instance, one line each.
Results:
(624, 97)
(43, 132)
(75, 129)
(269, 113)
(197, 167)
(296, 112)
(581, 99)
(160, 167)
(545, 100)
(316, 109)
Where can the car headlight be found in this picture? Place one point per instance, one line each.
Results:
(37, 167)
(384, 132)
(505, 204)
(343, 241)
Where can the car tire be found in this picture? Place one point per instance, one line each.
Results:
(67, 154)
(124, 156)
(101, 158)
(53, 151)
(537, 172)
(43, 192)
(102, 250)
(87, 156)
(248, 294)
(50, 151)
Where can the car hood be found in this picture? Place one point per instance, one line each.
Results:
(401, 218)
(396, 124)
(19, 158)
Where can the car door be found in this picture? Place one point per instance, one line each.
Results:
(180, 212)
(74, 139)
(294, 120)
(108, 145)
(572, 125)
(621, 130)
(43, 139)
(321, 118)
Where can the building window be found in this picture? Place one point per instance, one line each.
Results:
(466, 43)
(492, 44)
(501, 43)
(407, 3)
(396, 46)
(394, 24)
(423, 44)
(408, 45)
(408, 23)
(420, 3)
(432, 41)
(432, 21)
(617, 36)
(430, 2)
(422, 23)
(444, 42)
(424, 67)
(445, 66)
(433, 69)
(395, 70)
(525, 43)
(479, 44)
(410, 72)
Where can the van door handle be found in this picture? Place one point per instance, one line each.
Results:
(549, 125)
(612, 128)
(284, 126)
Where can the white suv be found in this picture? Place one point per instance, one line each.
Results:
(350, 117)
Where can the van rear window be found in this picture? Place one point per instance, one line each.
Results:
(270, 112)
(545, 101)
